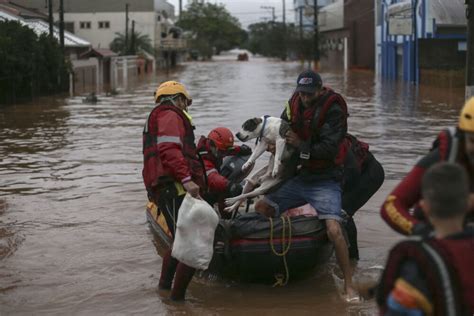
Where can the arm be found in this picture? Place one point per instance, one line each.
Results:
(410, 295)
(216, 183)
(396, 208)
(170, 138)
(331, 135)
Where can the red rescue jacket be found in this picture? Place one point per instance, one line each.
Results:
(396, 210)
(169, 152)
(216, 183)
(307, 125)
(446, 265)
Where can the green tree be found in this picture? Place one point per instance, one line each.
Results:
(211, 27)
(29, 65)
(137, 43)
(272, 39)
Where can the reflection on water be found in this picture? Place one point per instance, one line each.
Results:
(73, 237)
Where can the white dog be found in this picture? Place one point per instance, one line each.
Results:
(268, 131)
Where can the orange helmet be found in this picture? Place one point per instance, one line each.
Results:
(222, 138)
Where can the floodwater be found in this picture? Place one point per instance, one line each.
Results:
(73, 234)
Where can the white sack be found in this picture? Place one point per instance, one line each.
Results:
(194, 238)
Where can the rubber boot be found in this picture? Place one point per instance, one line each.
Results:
(184, 275)
(168, 269)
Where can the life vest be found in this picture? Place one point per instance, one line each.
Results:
(448, 144)
(308, 125)
(447, 269)
(153, 172)
(205, 153)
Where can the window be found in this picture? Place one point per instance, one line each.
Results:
(85, 25)
(104, 24)
(69, 26)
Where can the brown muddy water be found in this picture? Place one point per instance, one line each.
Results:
(73, 234)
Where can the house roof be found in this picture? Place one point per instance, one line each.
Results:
(99, 52)
(448, 13)
(22, 11)
(41, 27)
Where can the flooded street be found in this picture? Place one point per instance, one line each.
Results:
(73, 232)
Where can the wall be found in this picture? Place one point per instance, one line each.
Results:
(360, 23)
(101, 37)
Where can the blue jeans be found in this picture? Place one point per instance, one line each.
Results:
(322, 194)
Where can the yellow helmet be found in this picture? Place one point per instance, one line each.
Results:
(171, 88)
(466, 120)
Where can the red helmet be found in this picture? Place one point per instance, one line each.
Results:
(222, 138)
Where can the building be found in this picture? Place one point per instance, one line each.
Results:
(422, 41)
(100, 21)
(346, 40)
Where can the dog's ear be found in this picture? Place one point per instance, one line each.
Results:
(251, 125)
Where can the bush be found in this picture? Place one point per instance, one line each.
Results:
(29, 65)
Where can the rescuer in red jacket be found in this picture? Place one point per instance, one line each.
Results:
(171, 168)
(400, 210)
(212, 149)
(433, 275)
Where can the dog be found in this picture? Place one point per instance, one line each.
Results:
(267, 131)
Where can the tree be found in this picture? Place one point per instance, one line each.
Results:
(29, 65)
(273, 39)
(211, 27)
(137, 43)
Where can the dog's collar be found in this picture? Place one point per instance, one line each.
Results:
(259, 138)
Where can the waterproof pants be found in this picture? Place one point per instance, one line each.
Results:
(171, 268)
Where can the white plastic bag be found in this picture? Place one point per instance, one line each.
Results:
(194, 238)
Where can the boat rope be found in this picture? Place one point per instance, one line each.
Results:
(282, 280)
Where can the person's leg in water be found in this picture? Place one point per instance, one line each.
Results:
(172, 268)
(336, 236)
(325, 197)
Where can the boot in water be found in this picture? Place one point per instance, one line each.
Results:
(168, 269)
(184, 275)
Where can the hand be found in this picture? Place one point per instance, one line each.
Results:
(293, 139)
(192, 188)
(245, 150)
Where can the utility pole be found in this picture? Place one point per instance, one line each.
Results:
(50, 19)
(284, 13)
(470, 49)
(180, 8)
(284, 31)
(61, 24)
(301, 23)
(273, 11)
(317, 54)
(132, 41)
(126, 29)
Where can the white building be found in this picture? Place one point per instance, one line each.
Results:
(100, 21)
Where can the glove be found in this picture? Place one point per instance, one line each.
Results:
(421, 229)
(245, 150)
(234, 189)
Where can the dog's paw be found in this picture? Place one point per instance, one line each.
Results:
(230, 201)
(230, 209)
(275, 173)
(247, 165)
